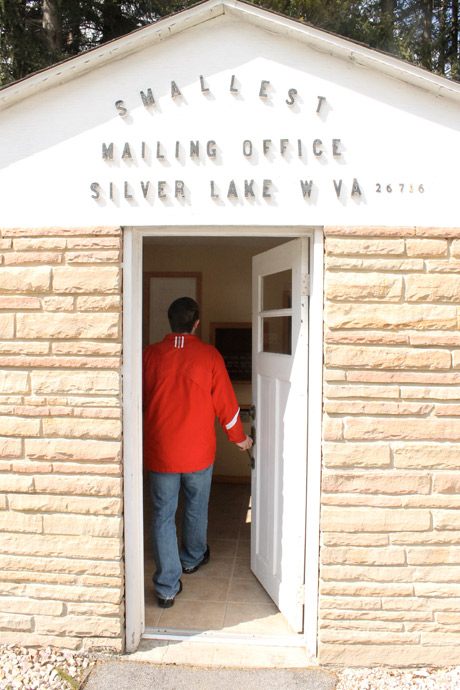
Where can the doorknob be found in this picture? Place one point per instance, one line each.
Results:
(252, 411)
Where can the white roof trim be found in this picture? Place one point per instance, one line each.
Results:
(164, 28)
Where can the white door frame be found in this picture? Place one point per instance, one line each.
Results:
(132, 414)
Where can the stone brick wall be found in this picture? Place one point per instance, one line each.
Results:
(61, 571)
(390, 554)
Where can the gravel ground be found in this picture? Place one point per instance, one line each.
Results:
(53, 669)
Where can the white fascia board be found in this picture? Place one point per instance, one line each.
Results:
(273, 22)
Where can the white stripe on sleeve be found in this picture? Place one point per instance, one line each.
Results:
(233, 422)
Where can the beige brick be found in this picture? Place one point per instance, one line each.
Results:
(82, 428)
(430, 538)
(100, 279)
(10, 447)
(86, 348)
(351, 391)
(350, 539)
(83, 609)
(61, 232)
(87, 468)
(26, 577)
(98, 581)
(410, 604)
(366, 338)
(369, 604)
(432, 501)
(370, 500)
(419, 377)
(421, 247)
(11, 621)
(12, 483)
(396, 316)
(28, 467)
(447, 411)
(18, 347)
(29, 639)
(430, 429)
(386, 358)
(350, 637)
(38, 243)
(19, 426)
(334, 375)
(363, 287)
(95, 382)
(67, 546)
(382, 247)
(339, 519)
(455, 248)
(96, 526)
(86, 626)
(377, 482)
(96, 257)
(111, 303)
(449, 619)
(7, 324)
(356, 455)
(447, 483)
(52, 303)
(29, 606)
(379, 265)
(21, 280)
(433, 288)
(86, 505)
(441, 555)
(440, 638)
(73, 449)
(360, 624)
(443, 456)
(363, 556)
(443, 266)
(376, 654)
(437, 589)
(15, 382)
(377, 408)
(365, 573)
(369, 231)
(437, 232)
(456, 359)
(72, 593)
(447, 519)
(107, 645)
(74, 485)
(430, 393)
(19, 303)
(6, 244)
(3, 504)
(59, 325)
(332, 429)
(94, 243)
(16, 522)
(76, 566)
(33, 258)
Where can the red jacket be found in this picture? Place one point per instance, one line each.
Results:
(185, 385)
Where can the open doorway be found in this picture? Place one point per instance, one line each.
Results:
(224, 595)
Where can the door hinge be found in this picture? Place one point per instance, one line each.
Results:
(300, 598)
(305, 286)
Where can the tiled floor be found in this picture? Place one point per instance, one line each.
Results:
(223, 595)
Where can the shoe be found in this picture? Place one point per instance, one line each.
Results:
(204, 560)
(167, 603)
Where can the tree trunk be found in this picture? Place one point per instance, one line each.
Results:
(427, 37)
(52, 24)
(387, 9)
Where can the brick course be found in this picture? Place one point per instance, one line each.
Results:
(390, 562)
(60, 428)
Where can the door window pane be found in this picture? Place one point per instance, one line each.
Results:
(277, 334)
(277, 290)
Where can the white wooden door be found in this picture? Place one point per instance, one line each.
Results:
(280, 358)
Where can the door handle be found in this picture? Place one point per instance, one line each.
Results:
(252, 412)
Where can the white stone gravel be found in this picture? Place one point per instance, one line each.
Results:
(42, 669)
(399, 679)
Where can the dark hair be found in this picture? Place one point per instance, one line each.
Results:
(182, 315)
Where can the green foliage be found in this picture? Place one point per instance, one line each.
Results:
(38, 33)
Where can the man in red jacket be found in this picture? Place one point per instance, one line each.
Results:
(185, 385)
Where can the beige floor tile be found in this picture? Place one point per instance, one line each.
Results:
(242, 568)
(204, 590)
(248, 590)
(192, 615)
(152, 615)
(225, 548)
(227, 529)
(243, 549)
(261, 619)
(245, 531)
(217, 567)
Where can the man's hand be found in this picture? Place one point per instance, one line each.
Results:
(246, 444)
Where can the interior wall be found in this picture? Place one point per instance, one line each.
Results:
(226, 268)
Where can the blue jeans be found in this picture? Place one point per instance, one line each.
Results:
(164, 490)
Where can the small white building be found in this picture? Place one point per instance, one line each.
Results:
(304, 189)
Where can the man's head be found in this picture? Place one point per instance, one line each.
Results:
(183, 314)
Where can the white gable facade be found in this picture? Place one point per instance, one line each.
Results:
(228, 121)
